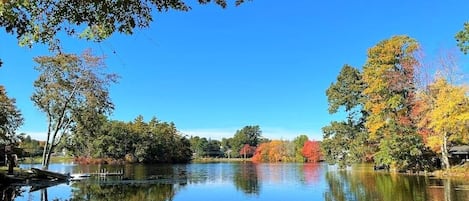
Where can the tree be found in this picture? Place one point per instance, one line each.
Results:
(66, 84)
(389, 75)
(250, 135)
(462, 38)
(247, 151)
(41, 20)
(10, 117)
(449, 116)
(345, 142)
(312, 151)
(299, 142)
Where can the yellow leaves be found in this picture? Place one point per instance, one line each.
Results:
(435, 142)
(374, 123)
(450, 114)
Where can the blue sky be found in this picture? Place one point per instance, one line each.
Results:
(212, 71)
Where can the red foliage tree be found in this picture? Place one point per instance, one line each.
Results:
(311, 151)
(259, 154)
(247, 151)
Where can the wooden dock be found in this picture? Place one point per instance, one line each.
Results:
(105, 173)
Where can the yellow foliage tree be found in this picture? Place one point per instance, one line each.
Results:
(449, 116)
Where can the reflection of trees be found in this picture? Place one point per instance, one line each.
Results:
(246, 178)
(311, 173)
(130, 192)
(8, 193)
(350, 185)
(446, 190)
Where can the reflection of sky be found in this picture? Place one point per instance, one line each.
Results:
(56, 192)
(217, 181)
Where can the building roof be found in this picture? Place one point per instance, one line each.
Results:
(463, 149)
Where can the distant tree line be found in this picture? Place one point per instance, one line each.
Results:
(137, 141)
(249, 143)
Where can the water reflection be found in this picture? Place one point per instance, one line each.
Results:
(243, 181)
(131, 192)
(8, 193)
(356, 185)
(246, 178)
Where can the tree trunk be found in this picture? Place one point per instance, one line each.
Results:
(45, 164)
(444, 152)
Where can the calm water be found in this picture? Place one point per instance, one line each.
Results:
(247, 181)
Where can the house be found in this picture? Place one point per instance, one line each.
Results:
(460, 152)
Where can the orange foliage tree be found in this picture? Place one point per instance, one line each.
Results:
(312, 151)
(274, 151)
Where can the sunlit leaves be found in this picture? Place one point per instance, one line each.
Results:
(450, 113)
(389, 77)
(41, 20)
(273, 151)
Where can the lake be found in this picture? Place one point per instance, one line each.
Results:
(247, 181)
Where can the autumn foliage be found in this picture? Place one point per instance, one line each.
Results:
(312, 151)
(269, 152)
(282, 151)
(247, 151)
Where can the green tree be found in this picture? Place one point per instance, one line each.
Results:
(250, 135)
(89, 126)
(344, 142)
(462, 38)
(66, 83)
(299, 142)
(10, 117)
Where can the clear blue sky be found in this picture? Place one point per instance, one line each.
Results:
(268, 63)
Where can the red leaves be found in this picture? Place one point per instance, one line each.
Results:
(312, 151)
(247, 151)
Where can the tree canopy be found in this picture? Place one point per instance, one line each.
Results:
(343, 142)
(41, 20)
(10, 117)
(462, 38)
(69, 85)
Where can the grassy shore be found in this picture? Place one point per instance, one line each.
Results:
(53, 159)
(219, 160)
(460, 171)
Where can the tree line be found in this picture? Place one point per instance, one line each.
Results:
(396, 115)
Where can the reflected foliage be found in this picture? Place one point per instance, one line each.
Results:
(311, 173)
(8, 193)
(246, 178)
(356, 185)
(130, 192)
